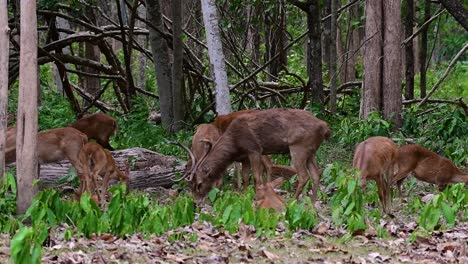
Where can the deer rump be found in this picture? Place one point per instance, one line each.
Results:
(273, 131)
(375, 158)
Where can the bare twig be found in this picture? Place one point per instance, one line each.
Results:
(426, 24)
(447, 71)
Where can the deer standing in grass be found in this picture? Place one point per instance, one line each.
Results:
(101, 163)
(55, 145)
(273, 131)
(99, 127)
(207, 134)
(427, 166)
(375, 158)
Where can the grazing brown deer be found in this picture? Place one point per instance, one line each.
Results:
(267, 198)
(101, 163)
(375, 158)
(273, 131)
(99, 127)
(205, 136)
(54, 145)
(427, 166)
(223, 121)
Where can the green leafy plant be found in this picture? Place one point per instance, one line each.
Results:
(26, 244)
(444, 206)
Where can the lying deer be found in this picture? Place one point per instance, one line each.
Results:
(54, 145)
(427, 166)
(101, 163)
(99, 127)
(273, 131)
(375, 158)
(267, 198)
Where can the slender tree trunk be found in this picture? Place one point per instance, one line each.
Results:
(4, 54)
(352, 45)
(409, 56)
(371, 96)
(177, 66)
(423, 51)
(159, 49)
(26, 140)
(92, 85)
(314, 60)
(392, 102)
(143, 41)
(326, 36)
(333, 60)
(215, 51)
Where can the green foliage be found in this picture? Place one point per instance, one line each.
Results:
(26, 245)
(8, 223)
(353, 130)
(348, 201)
(301, 215)
(443, 131)
(445, 206)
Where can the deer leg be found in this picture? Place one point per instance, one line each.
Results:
(245, 174)
(239, 170)
(383, 193)
(299, 161)
(399, 183)
(315, 173)
(266, 161)
(255, 159)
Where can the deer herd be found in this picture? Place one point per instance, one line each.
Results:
(244, 138)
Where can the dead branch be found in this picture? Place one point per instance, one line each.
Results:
(459, 101)
(447, 71)
(422, 27)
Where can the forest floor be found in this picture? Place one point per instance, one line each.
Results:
(203, 243)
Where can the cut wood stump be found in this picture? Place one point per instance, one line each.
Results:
(148, 169)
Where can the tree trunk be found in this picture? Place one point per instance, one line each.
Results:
(423, 50)
(215, 51)
(92, 85)
(160, 52)
(371, 97)
(391, 77)
(457, 10)
(4, 56)
(61, 23)
(177, 66)
(326, 36)
(352, 45)
(143, 41)
(333, 61)
(26, 140)
(409, 56)
(314, 59)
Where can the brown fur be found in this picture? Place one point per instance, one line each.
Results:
(223, 121)
(427, 166)
(99, 127)
(102, 164)
(54, 145)
(267, 198)
(273, 131)
(375, 158)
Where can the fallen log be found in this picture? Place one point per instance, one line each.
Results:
(148, 169)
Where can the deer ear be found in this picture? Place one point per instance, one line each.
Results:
(276, 183)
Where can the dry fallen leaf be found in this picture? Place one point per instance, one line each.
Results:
(269, 255)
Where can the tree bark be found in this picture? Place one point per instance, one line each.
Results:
(92, 85)
(4, 56)
(314, 59)
(457, 10)
(177, 66)
(423, 51)
(159, 49)
(409, 55)
(371, 96)
(391, 77)
(215, 51)
(326, 35)
(26, 141)
(333, 60)
(142, 60)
